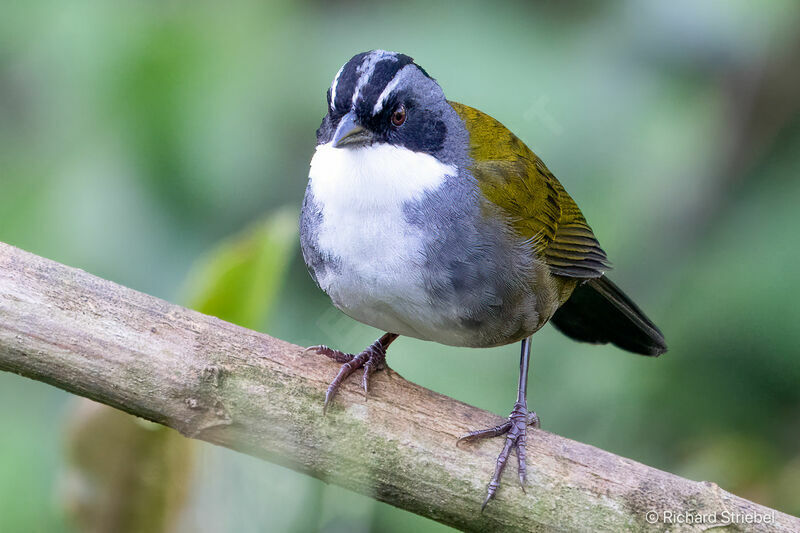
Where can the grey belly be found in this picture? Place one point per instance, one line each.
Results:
(469, 313)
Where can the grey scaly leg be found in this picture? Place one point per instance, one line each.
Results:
(515, 429)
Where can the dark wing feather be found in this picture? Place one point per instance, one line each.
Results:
(599, 312)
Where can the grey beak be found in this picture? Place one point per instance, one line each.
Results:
(350, 133)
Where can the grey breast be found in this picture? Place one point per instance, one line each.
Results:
(474, 265)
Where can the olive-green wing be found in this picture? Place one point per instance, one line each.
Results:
(513, 178)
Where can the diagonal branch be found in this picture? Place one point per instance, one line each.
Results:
(238, 388)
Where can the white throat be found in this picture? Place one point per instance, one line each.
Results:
(373, 177)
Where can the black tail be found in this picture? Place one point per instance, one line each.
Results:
(598, 312)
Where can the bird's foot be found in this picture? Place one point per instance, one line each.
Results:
(371, 359)
(515, 430)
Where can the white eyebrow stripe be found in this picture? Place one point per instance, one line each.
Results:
(367, 68)
(333, 86)
(388, 90)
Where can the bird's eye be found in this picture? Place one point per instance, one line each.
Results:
(399, 115)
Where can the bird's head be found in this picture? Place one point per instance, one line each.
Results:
(384, 98)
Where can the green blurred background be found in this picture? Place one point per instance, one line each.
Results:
(140, 140)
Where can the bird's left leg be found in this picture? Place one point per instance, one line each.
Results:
(515, 429)
(371, 359)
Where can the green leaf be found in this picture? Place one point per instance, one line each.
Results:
(240, 279)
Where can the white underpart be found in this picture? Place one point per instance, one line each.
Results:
(367, 67)
(389, 88)
(361, 193)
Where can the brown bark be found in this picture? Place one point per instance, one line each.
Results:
(224, 384)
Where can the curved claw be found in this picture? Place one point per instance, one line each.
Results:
(330, 353)
(521, 466)
(496, 431)
(485, 502)
(344, 372)
(370, 367)
(502, 460)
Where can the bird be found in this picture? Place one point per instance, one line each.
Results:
(426, 218)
